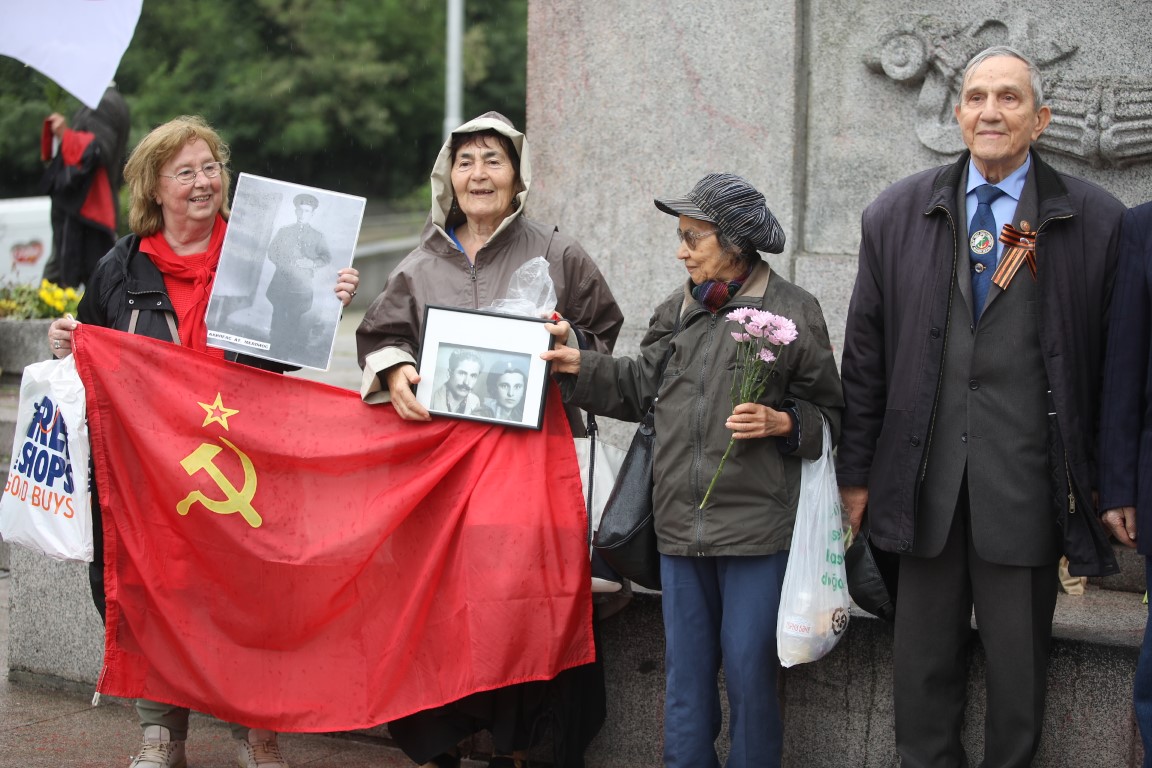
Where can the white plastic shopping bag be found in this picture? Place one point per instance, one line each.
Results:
(45, 501)
(814, 601)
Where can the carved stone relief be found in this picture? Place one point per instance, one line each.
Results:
(1105, 121)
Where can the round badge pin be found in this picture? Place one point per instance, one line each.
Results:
(981, 242)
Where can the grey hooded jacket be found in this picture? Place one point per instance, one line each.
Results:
(437, 272)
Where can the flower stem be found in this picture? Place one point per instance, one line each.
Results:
(719, 469)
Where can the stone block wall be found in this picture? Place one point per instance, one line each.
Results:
(819, 103)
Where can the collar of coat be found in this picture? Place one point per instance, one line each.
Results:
(755, 287)
(1052, 195)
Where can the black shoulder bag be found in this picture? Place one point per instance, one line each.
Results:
(626, 538)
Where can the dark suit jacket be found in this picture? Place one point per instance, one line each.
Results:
(991, 423)
(1126, 423)
(896, 327)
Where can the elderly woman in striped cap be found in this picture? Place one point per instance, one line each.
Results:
(723, 551)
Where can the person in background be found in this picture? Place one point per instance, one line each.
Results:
(971, 402)
(156, 283)
(83, 178)
(475, 238)
(721, 564)
(1126, 427)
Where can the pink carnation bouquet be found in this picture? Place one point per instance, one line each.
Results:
(758, 343)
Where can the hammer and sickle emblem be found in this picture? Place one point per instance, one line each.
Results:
(203, 458)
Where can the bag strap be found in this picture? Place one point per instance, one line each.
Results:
(167, 316)
(593, 432)
(668, 352)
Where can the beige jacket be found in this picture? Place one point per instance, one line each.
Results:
(437, 272)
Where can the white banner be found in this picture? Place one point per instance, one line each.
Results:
(77, 43)
(25, 239)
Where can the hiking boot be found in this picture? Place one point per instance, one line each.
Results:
(260, 749)
(159, 750)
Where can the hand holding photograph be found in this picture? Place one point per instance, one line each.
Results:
(483, 366)
(273, 293)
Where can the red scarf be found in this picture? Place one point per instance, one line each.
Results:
(193, 274)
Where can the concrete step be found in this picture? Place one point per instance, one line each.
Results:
(838, 711)
(9, 397)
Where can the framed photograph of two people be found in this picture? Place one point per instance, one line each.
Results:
(273, 294)
(483, 366)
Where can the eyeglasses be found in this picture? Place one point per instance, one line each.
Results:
(187, 176)
(692, 239)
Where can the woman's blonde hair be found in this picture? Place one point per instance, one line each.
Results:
(142, 172)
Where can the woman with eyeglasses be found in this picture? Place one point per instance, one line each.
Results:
(156, 283)
(721, 562)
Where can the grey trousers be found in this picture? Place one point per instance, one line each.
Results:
(175, 719)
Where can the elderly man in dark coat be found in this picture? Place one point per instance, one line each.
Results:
(972, 357)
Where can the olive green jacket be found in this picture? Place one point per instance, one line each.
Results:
(753, 506)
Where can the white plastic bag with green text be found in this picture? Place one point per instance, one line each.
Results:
(814, 600)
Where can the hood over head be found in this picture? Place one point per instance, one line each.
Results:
(442, 169)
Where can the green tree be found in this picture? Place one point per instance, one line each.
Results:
(342, 94)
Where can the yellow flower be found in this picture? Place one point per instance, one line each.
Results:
(47, 300)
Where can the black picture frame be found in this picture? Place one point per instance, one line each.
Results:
(484, 366)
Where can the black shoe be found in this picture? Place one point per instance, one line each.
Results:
(446, 761)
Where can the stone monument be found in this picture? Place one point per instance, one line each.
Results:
(822, 104)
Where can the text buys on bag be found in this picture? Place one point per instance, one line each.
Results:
(45, 501)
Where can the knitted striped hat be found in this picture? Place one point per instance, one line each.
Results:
(733, 205)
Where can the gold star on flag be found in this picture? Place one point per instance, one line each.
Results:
(217, 412)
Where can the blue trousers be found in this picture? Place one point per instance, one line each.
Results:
(721, 609)
(1142, 686)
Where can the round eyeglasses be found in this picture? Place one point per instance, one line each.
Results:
(692, 239)
(187, 176)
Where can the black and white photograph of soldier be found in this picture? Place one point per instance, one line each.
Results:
(273, 295)
(297, 251)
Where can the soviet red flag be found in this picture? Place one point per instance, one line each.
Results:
(282, 555)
